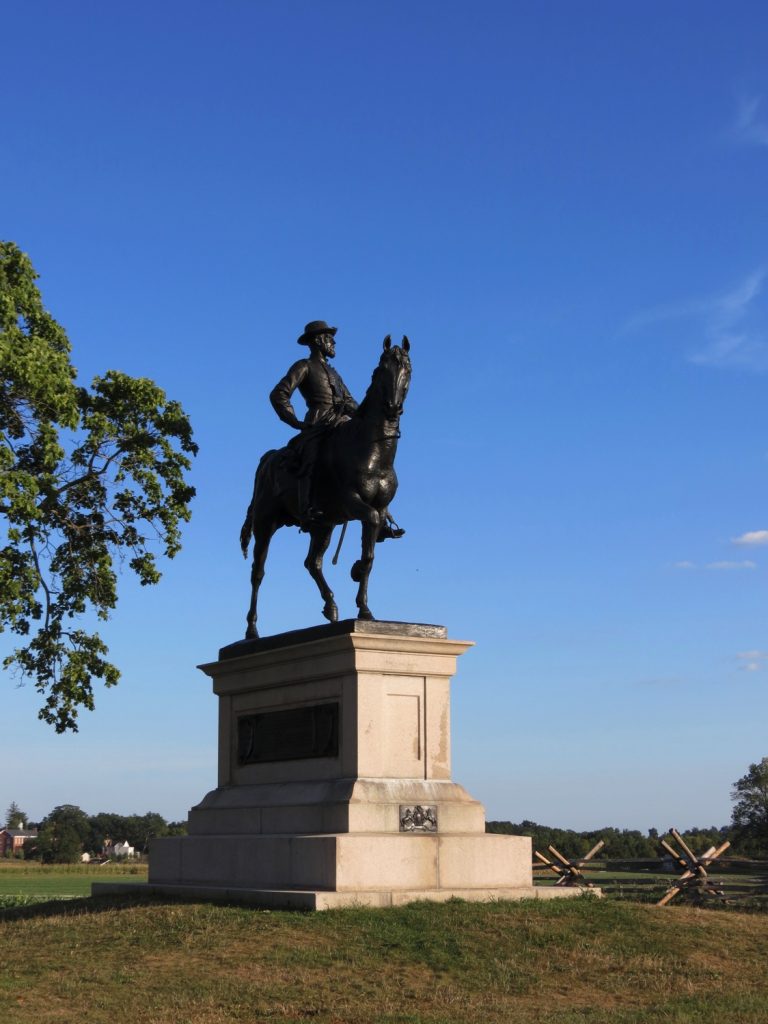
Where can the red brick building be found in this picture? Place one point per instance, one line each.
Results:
(12, 839)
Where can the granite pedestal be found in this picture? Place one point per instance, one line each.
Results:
(334, 779)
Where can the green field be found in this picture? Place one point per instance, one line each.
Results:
(580, 961)
(63, 881)
(30, 880)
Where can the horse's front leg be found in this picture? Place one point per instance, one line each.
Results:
(361, 570)
(320, 538)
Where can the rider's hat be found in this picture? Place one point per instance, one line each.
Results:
(315, 327)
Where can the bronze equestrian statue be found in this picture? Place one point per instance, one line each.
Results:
(340, 466)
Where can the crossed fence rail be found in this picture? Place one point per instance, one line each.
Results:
(734, 880)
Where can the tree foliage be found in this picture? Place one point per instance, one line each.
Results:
(750, 811)
(88, 477)
(15, 817)
(135, 829)
(68, 832)
(628, 843)
(620, 844)
(63, 835)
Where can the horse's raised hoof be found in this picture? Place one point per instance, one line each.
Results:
(366, 614)
(356, 572)
(330, 611)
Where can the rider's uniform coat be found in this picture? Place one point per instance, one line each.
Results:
(328, 404)
(322, 389)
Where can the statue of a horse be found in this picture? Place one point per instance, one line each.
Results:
(354, 479)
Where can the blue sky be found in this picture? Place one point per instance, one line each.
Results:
(565, 208)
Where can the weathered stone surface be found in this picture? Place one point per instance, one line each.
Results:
(342, 805)
(300, 636)
(321, 831)
(393, 693)
(304, 899)
(352, 861)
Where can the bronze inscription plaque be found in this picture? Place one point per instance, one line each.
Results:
(290, 735)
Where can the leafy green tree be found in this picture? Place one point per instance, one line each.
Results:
(750, 812)
(145, 827)
(105, 826)
(63, 835)
(14, 816)
(136, 829)
(569, 843)
(87, 476)
(700, 839)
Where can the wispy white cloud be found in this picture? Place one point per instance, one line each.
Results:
(693, 308)
(752, 661)
(721, 565)
(733, 329)
(752, 538)
(748, 126)
(731, 565)
(735, 335)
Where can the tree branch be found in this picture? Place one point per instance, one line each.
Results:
(43, 583)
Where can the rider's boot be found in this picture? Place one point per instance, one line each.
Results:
(308, 514)
(389, 530)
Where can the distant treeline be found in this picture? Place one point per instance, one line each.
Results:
(627, 844)
(68, 832)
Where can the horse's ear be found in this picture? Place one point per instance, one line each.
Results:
(387, 342)
(406, 344)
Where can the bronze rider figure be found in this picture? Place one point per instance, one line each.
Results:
(329, 403)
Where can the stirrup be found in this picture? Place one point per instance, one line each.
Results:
(390, 530)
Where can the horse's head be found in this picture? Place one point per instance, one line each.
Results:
(392, 377)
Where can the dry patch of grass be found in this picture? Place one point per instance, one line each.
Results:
(551, 963)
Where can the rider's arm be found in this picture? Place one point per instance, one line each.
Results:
(280, 396)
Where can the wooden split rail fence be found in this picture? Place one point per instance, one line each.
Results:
(568, 871)
(699, 880)
(694, 880)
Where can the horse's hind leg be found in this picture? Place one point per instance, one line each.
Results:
(262, 535)
(320, 538)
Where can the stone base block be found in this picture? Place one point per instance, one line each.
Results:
(321, 899)
(331, 741)
(347, 862)
(331, 806)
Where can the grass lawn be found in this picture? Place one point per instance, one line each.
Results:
(578, 961)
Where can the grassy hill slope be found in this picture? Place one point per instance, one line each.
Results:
(551, 963)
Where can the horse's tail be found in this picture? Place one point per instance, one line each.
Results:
(247, 528)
